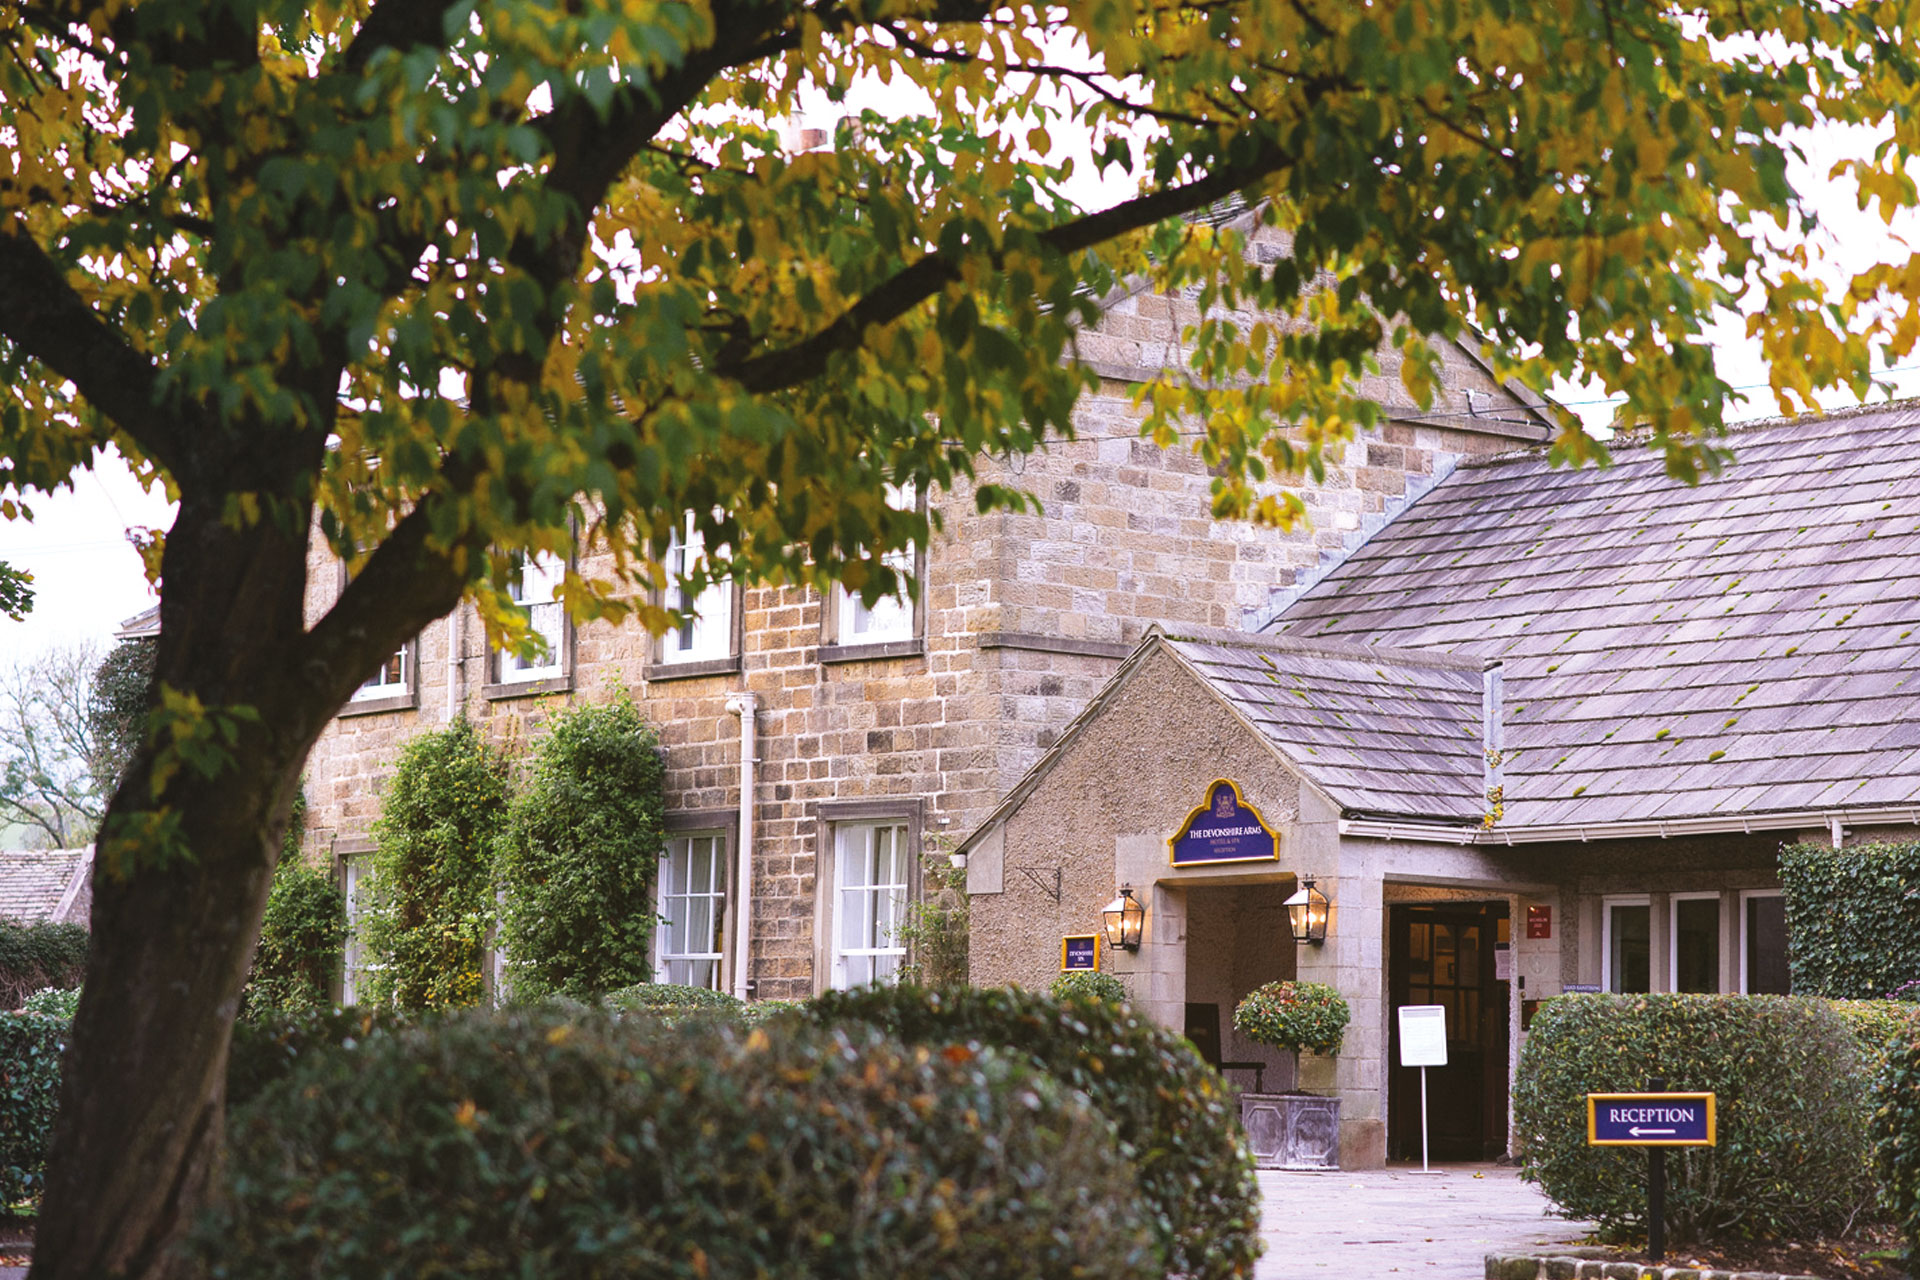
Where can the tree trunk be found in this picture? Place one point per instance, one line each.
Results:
(177, 903)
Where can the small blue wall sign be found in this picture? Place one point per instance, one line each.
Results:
(1080, 953)
(1224, 829)
(1650, 1120)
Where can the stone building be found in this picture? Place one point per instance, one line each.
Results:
(1545, 729)
(871, 737)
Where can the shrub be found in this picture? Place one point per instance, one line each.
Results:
(117, 710)
(1792, 1110)
(34, 956)
(671, 1002)
(432, 890)
(1875, 1025)
(1852, 918)
(269, 1048)
(30, 1048)
(53, 1002)
(1082, 984)
(578, 857)
(934, 929)
(301, 935)
(538, 1143)
(1177, 1123)
(1896, 1136)
(1294, 1015)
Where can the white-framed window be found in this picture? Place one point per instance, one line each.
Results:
(355, 875)
(1693, 950)
(1763, 943)
(392, 680)
(535, 587)
(708, 635)
(872, 868)
(1626, 943)
(689, 942)
(891, 617)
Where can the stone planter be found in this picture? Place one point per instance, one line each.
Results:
(1292, 1130)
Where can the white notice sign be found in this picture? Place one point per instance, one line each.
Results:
(1423, 1035)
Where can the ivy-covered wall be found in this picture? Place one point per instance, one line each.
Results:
(1853, 919)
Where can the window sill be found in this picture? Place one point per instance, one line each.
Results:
(658, 670)
(373, 706)
(526, 688)
(867, 652)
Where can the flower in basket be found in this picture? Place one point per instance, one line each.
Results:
(1294, 1015)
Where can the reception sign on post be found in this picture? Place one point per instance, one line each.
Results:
(1423, 1044)
(1223, 829)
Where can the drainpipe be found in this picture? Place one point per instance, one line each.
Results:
(744, 705)
(1493, 741)
(456, 642)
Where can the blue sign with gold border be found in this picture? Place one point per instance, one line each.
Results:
(1080, 953)
(1224, 829)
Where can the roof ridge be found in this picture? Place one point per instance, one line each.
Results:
(1323, 648)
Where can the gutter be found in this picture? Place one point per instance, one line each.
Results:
(1638, 829)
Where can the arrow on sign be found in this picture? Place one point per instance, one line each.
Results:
(1642, 1133)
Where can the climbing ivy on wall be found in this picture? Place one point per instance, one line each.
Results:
(301, 936)
(577, 860)
(1853, 918)
(432, 883)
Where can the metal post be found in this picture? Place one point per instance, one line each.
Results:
(1656, 1189)
(1423, 1121)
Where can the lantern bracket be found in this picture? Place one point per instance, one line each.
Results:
(1041, 882)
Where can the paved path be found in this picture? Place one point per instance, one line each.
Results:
(1438, 1226)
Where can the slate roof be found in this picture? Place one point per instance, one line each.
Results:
(1383, 733)
(34, 884)
(1746, 646)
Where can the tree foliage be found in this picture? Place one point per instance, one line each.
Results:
(432, 892)
(451, 283)
(117, 714)
(16, 592)
(49, 753)
(576, 862)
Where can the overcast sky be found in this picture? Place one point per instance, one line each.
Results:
(88, 578)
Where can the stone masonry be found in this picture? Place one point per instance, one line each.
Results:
(1025, 616)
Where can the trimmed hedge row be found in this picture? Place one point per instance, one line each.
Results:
(1179, 1126)
(1790, 1076)
(1896, 1136)
(35, 956)
(30, 1048)
(1852, 917)
(559, 1141)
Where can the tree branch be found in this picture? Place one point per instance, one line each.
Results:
(397, 24)
(914, 284)
(43, 315)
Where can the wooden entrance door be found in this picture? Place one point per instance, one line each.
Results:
(1444, 954)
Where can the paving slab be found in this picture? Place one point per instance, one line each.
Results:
(1439, 1226)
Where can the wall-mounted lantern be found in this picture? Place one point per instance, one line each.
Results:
(1307, 913)
(1125, 918)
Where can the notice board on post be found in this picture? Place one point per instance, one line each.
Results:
(1423, 1035)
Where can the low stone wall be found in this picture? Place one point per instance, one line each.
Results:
(1568, 1267)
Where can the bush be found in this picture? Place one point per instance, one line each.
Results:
(1896, 1136)
(30, 1048)
(266, 1050)
(1792, 1108)
(934, 929)
(1177, 1123)
(301, 936)
(539, 1143)
(53, 1002)
(432, 890)
(578, 857)
(1294, 1015)
(1852, 918)
(1875, 1025)
(35, 956)
(672, 1002)
(1082, 984)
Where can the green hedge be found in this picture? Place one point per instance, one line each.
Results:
(544, 1142)
(35, 956)
(1792, 1103)
(1896, 1136)
(1853, 916)
(30, 1048)
(1178, 1124)
(269, 1048)
(672, 1001)
(1084, 984)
